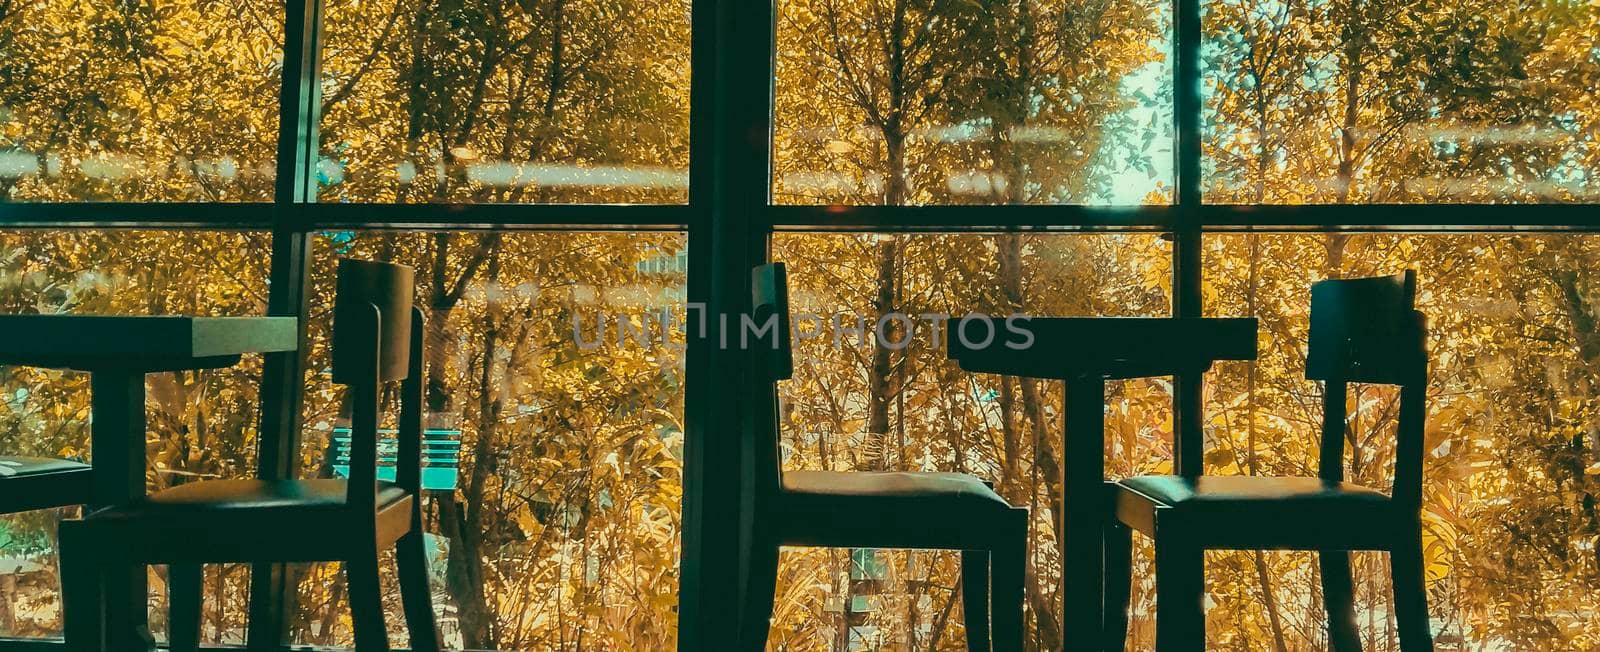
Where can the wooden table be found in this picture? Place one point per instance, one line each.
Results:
(117, 352)
(1085, 352)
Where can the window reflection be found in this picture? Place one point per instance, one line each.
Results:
(202, 424)
(109, 101)
(558, 101)
(561, 522)
(912, 102)
(1401, 102)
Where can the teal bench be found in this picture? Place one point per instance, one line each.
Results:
(441, 456)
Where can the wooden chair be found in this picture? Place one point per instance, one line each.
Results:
(949, 511)
(1362, 331)
(377, 338)
(29, 483)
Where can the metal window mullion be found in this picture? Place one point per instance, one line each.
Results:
(1186, 250)
(283, 375)
(731, 100)
(297, 146)
(468, 217)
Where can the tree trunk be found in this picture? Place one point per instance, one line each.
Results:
(1042, 435)
(1010, 439)
(1269, 597)
(880, 377)
(462, 525)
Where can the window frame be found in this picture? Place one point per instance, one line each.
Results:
(728, 218)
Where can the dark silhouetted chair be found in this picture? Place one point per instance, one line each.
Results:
(949, 511)
(377, 339)
(29, 483)
(1362, 331)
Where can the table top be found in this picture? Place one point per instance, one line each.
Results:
(1108, 347)
(152, 343)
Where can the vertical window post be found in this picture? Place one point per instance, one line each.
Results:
(283, 376)
(731, 113)
(1186, 250)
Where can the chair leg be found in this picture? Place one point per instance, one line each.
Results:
(1338, 598)
(1008, 568)
(1118, 578)
(411, 555)
(82, 587)
(1180, 595)
(1411, 596)
(759, 593)
(366, 603)
(975, 598)
(184, 584)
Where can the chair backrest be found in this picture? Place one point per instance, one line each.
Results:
(772, 360)
(377, 338)
(1367, 330)
(770, 304)
(389, 288)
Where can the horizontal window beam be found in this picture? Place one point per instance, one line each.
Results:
(1344, 217)
(493, 216)
(57, 645)
(1403, 217)
(316, 217)
(121, 215)
(971, 217)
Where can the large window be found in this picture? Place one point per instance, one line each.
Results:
(1510, 472)
(555, 381)
(856, 404)
(202, 423)
(532, 160)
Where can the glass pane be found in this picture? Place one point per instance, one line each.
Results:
(918, 102)
(120, 101)
(1344, 101)
(505, 102)
(1510, 473)
(554, 482)
(202, 424)
(857, 404)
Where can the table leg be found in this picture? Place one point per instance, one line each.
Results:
(1188, 451)
(118, 456)
(1083, 504)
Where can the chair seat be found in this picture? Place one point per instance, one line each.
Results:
(245, 496)
(249, 520)
(1256, 511)
(1222, 491)
(16, 467)
(827, 507)
(889, 486)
